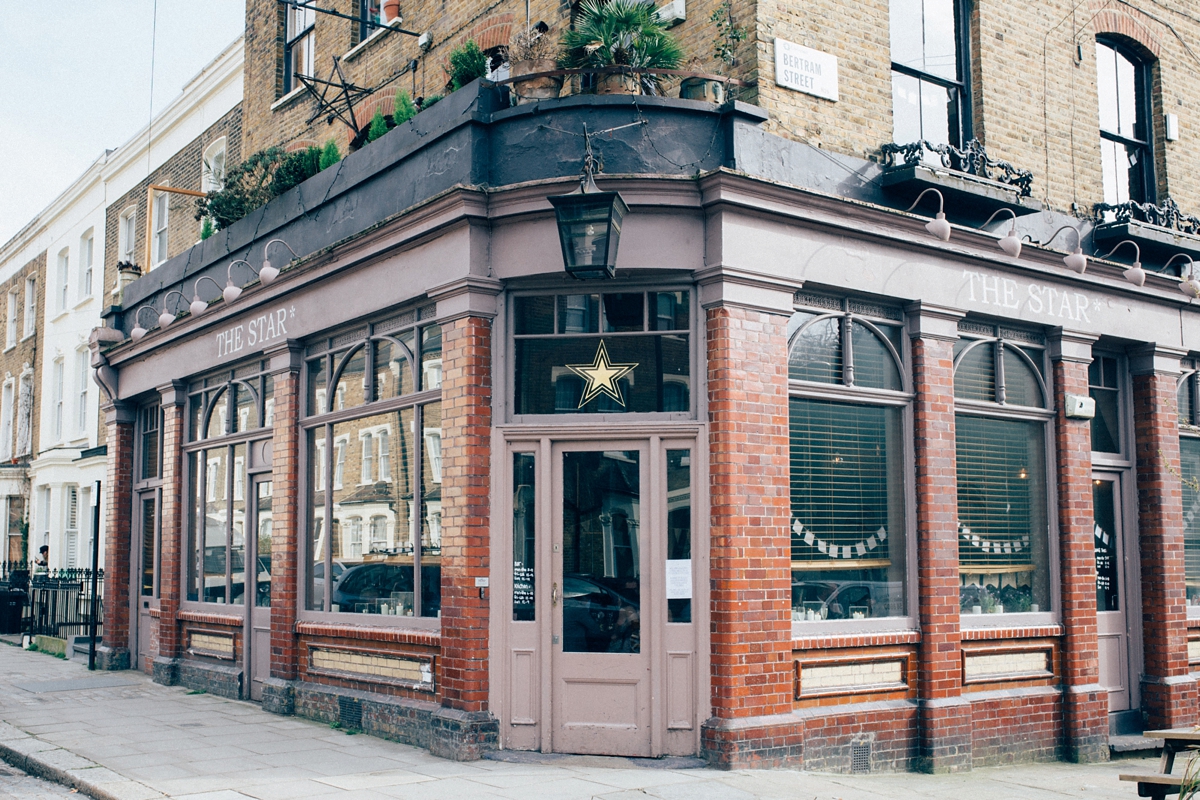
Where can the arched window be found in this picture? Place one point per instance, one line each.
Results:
(386, 401)
(848, 414)
(1123, 91)
(1002, 415)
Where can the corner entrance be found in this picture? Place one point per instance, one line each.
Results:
(1118, 673)
(602, 640)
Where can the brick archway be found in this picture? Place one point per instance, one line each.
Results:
(1131, 25)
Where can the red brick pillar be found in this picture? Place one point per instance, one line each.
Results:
(750, 541)
(171, 540)
(464, 727)
(1168, 690)
(945, 716)
(1085, 702)
(287, 526)
(118, 499)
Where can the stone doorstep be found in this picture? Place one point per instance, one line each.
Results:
(40, 764)
(1133, 746)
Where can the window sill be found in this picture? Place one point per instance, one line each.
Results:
(28, 335)
(1027, 619)
(11, 347)
(802, 630)
(287, 99)
(349, 622)
(357, 50)
(971, 196)
(62, 313)
(84, 302)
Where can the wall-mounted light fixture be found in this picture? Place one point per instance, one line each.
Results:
(138, 331)
(269, 273)
(938, 228)
(1189, 285)
(232, 291)
(199, 306)
(1135, 274)
(589, 220)
(1010, 243)
(166, 317)
(1076, 261)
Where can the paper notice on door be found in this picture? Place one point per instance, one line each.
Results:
(679, 579)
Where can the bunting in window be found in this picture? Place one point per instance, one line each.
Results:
(992, 546)
(856, 550)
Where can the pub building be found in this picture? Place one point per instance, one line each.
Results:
(705, 459)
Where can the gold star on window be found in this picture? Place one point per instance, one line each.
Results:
(602, 376)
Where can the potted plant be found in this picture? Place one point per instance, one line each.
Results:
(621, 33)
(531, 52)
(725, 44)
(467, 63)
(391, 11)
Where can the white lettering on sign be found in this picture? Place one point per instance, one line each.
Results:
(806, 70)
(255, 333)
(1048, 301)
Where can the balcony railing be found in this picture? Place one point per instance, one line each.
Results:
(1168, 215)
(971, 160)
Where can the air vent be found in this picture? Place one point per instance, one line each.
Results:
(860, 757)
(350, 713)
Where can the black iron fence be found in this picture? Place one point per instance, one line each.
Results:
(49, 602)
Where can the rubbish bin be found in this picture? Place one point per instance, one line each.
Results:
(12, 606)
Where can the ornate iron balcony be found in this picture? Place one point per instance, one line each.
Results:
(971, 159)
(1168, 215)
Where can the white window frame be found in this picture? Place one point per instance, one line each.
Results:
(7, 414)
(30, 306)
(87, 258)
(59, 379)
(384, 436)
(70, 526)
(13, 308)
(83, 375)
(212, 166)
(160, 219)
(367, 441)
(127, 235)
(64, 278)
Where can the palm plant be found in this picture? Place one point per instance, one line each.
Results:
(621, 33)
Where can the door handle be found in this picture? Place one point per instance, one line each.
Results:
(553, 595)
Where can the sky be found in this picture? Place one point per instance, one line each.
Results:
(76, 80)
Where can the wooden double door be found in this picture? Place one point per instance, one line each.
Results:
(599, 589)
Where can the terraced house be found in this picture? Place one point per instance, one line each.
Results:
(840, 413)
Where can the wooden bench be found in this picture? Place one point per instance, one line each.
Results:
(1155, 786)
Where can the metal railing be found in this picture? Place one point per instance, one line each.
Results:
(971, 159)
(49, 602)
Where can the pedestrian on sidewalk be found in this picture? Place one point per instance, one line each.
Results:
(41, 564)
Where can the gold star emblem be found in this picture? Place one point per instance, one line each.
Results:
(602, 376)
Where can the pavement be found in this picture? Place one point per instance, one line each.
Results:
(121, 736)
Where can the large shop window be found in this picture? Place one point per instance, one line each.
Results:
(930, 76)
(1189, 458)
(229, 429)
(848, 414)
(1002, 423)
(374, 443)
(602, 353)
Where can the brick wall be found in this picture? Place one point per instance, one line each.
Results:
(466, 462)
(117, 538)
(172, 536)
(285, 524)
(25, 354)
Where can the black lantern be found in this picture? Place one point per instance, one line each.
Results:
(589, 222)
(589, 227)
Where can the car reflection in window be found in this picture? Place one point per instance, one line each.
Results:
(597, 619)
(369, 588)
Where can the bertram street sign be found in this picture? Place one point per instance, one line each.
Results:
(806, 70)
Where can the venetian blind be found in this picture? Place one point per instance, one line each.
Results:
(975, 376)
(1189, 452)
(840, 479)
(1021, 385)
(1001, 491)
(817, 353)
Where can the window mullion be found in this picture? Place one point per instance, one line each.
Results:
(418, 503)
(847, 352)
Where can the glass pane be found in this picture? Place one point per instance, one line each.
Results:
(907, 38)
(941, 39)
(431, 357)
(1021, 387)
(1185, 401)
(195, 417)
(318, 525)
(1002, 527)
(216, 519)
(579, 313)
(533, 315)
(149, 532)
(524, 537)
(350, 391)
(939, 114)
(246, 403)
(630, 374)
(195, 516)
(1108, 590)
(601, 591)
(318, 380)
(218, 413)
(624, 312)
(393, 371)
(1189, 450)
(975, 376)
(906, 108)
(237, 551)
(268, 401)
(262, 524)
(1106, 432)
(817, 352)
(431, 510)
(679, 536)
(874, 366)
(371, 539)
(1126, 98)
(848, 529)
(1106, 86)
(669, 311)
(150, 441)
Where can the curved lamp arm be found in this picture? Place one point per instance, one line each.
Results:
(138, 331)
(232, 291)
(1010, 243)
(1189, 285)
(939, 227)
(198, 306)
(166, 317)
(268, 272)
(1135, 274)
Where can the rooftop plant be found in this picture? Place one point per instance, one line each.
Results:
(404, 108)
(621, 33)
(378, 126)
(531, 45)
(467, 62)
